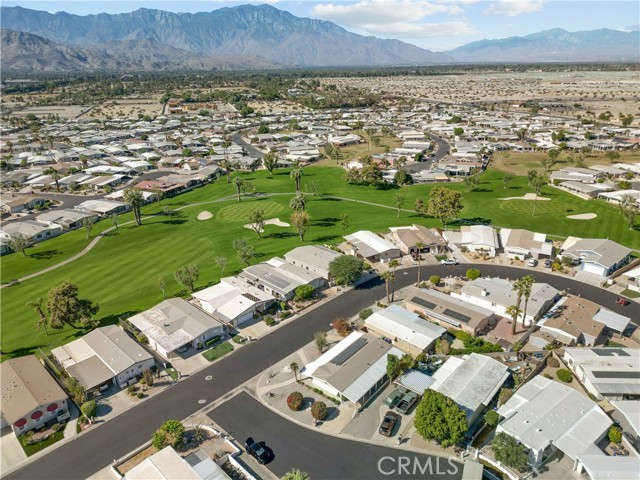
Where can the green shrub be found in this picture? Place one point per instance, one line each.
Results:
(319, 411)
(294, 400)
(365, 313)
(170, 432)
(304, 292)
(491, 418)
(270, 321)
(564, 375)
(284, 314)
(142, 338)
(213, 340)
(473, 273)
(89, 408)
(139, 394)
(435, 279)
(238, 339)
(615, 434)
(342, 326)
(131, 388)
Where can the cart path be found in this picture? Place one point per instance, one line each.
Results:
(95, 241)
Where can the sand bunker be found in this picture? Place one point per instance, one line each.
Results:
(582, 216)
(271, 221)
(527, 196)
(205, 215)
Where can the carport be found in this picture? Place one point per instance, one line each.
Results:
(414, 381)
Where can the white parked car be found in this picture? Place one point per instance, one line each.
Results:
(449, 261)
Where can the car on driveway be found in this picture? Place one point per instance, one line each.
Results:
(388, 422)
(548, 263)
(449, 261)
(256, 450)
(407, 402)
(532, 262)
(393, 399)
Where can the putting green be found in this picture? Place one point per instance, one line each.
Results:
(239, 212)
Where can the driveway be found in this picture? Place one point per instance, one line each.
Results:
(321, 456)
(11, 452)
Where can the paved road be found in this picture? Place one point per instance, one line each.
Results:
(321, 456)
(441, 151)
(95, 449)
(252, 151)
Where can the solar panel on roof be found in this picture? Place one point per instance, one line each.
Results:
(423, 303)
(610, 352)
(457, 315)
(348, 352)
(605, 374)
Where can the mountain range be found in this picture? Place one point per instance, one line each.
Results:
(258, 37)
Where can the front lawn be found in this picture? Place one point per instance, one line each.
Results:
(218, 352)
(36, 447)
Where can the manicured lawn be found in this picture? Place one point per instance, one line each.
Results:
(173, 373)
(217, 352)
(120, 273)
(239, 339)
(36, 447)
(630, 293)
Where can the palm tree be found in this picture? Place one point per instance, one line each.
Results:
(296, 474)
(393, 264)
(527, 284)
(513, 311)
(518, 287)
(135, 199)
(55, 176)
(239, 183)
(42, 317)
(294, 368)
(296, 175)
(419, 247)
(228, 168)
(387, 277)
(299, 202)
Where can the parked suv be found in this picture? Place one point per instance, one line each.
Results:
(407, 402)
(256, 450)
(393, 399)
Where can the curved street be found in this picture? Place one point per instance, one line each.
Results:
(95, 449)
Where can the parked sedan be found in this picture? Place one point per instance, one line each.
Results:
(449, 261)
(388, 422)
(256, 450)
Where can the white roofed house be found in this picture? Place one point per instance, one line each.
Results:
(353, 370)
(314, 258)
(471, 382)
(104, 356)
(547, 416)
(31, 230)
(497, 295)
(406, 330)
(371, 247)
(66, 218)
(101, 207)
(233, 300)
(167, 464)
(175, 325)
(611, 373)
(477, 238)
(280, 278)
(597, 255)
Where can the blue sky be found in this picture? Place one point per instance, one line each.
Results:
(433, 24)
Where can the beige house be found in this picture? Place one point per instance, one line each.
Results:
(407, 239)
(30, 397)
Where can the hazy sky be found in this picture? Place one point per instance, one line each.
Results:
(433, 24)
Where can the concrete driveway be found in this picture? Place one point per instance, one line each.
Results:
(11, 452)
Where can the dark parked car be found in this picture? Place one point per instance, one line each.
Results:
(256, 450)
(393, 399)
(407, 402)
(388, 422)
(547, 263)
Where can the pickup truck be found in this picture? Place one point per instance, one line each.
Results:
(393, 399)
(407, 402)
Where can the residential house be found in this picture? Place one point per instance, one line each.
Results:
(166, 188)
(546, 416)
(18, 203)
(476, 238)
(353, 370)
(576, 174)
(525, 244)
(497, 295)
(101, 207)
(31, 230)
(596, 255)
(66, 218)
(471, 382)
(315, 258)
(405, 329)
(103, 357)
(168, 465)
(280, 278)
(572, 322)
(30, 396)
(175, 325)
(233, 300)
(407, 238)
(448, 311)
(611, 373)
(369, 246)
(585, 190)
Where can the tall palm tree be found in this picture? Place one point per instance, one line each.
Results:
(513, 311)
(419, 247)
(518, 287)
(393, 264)
(294, 368)
(527, 285)
(239, 184)
(296, 175)
(42, 317)
(55, 176)
(387, 276)
(299, 202)
(135, 200)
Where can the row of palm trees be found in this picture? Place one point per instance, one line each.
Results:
(522, 287)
